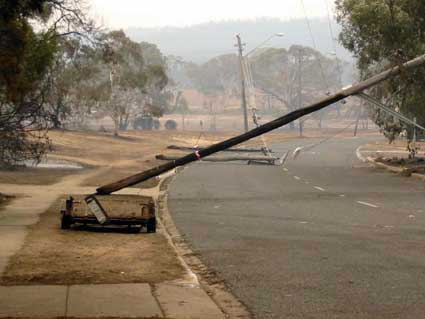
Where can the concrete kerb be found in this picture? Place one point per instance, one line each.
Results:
(215, 288)
(390, 168)
(359, 155)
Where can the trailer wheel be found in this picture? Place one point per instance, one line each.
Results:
(65, 222)
(151, 225)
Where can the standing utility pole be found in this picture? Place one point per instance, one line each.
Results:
(244, 107)
(300, 61)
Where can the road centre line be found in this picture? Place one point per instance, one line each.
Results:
(319, 188)
(367, 204)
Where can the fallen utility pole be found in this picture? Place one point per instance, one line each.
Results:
(164, 157)
(235, 150)
(265, 128)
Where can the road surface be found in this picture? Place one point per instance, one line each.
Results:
(326, 237)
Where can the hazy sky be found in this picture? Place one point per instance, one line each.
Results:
(157, 13)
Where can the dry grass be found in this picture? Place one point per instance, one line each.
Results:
(90, 255)
(4, 200)
(130, 153)
(35, 176)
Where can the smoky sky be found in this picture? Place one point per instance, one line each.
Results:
(159, 13)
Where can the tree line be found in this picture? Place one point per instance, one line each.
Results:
(381, 34)
(57, 67)
(291, 77)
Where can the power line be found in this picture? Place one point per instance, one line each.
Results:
(330, 26)
(339, 69)
(325, 82)
(300, 149)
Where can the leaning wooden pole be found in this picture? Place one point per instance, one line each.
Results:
(265, 128)
(231, 150)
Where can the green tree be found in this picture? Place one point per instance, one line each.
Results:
(25, 58)
(157, 89)
(219, 75)
(381, 34)
(134, 77)
(280, 72)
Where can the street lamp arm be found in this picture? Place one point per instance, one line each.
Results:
(264, 42)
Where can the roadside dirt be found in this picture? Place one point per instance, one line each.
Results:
(112, 174)
(128, 154)
(90, 255)
(4, 200)
(35, 176)
(407, 166)
(396, 155)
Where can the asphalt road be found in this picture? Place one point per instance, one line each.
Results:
(330, 237)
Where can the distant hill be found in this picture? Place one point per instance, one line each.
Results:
(198, 43)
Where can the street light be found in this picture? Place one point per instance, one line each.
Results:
(334, 55)
(264, 42)
(241, 62)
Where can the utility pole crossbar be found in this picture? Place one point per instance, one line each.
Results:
(265, 128)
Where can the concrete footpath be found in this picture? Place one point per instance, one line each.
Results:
(183, 298)
(168, 300)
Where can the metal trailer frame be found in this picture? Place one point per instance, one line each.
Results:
(68, 218)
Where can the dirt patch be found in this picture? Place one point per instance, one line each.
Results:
(408, 162)
(5, 199)
(89, 256)
(88, 318)
(115, 174)
(36, 176)
(407, 166)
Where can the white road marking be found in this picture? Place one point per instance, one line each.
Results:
(319, 188)
(342, 195)
(297, 178)
(307, 182)
(285, 169)
(359, 155)
(367, 204)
